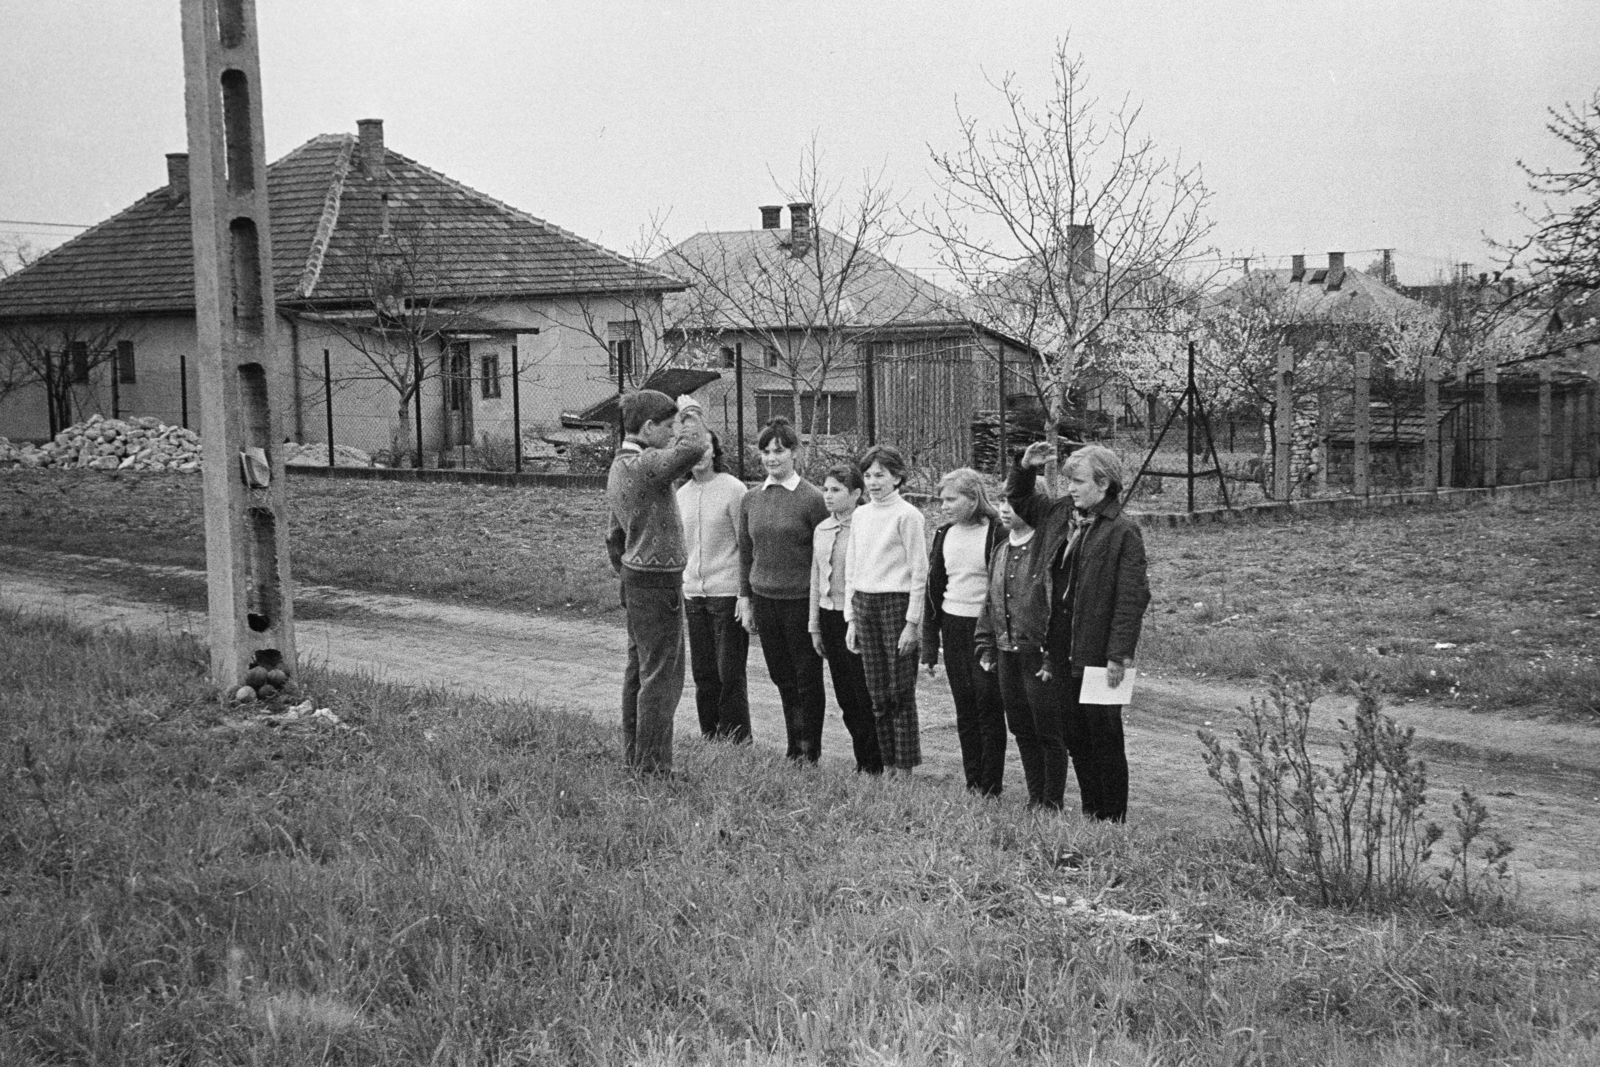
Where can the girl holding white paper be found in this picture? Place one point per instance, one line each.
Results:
(1098, 590)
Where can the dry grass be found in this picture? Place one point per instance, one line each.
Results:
(460, 882)
(1513, 586)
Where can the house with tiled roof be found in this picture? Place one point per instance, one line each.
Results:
(817, 326)
(380, 264)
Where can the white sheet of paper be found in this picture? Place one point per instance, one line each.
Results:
(1096, 691)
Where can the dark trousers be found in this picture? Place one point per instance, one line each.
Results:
(1036, 711)
(796, 669)
(850, 689)
(653, 681)
(718, 649)
(980, 715)
(1094, 738)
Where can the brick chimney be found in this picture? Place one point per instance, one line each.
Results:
(1297, 268)
(371, 148)
(177, 175)
(1335, 276)
(800, 235)
(771, 216)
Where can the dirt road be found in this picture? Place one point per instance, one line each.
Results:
(1541, 779)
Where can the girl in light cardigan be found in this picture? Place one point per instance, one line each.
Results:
(886, 576)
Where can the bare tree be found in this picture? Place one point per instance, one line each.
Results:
(1064, 222)
(631, 321)
(394, 298)
(1564, 247)
(814, 301)
(61, 354)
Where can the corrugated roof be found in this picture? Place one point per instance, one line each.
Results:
(326, 217)
(759, 285)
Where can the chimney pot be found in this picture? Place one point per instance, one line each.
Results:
(1335, 277)
(771, 216)
(178, 174)
(371, 145)
(1080, 251)
(1297, 270)
(800, 235)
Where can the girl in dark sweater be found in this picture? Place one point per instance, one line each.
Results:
(775, 525)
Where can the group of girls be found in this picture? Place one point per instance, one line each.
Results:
(1021, 596)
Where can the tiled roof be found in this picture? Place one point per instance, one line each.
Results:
(1358, 299)
(759, 285)
(326, 217)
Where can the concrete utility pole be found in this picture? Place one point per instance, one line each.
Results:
(241, 377)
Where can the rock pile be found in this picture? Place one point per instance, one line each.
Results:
(97, 443)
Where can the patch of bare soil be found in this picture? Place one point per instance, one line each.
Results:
(1540, 778)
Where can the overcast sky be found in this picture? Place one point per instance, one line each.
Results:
(1348, 126)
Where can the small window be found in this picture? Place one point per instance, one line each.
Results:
(770, 357)
(725, 356)
(127, 373)
(621, 360)
(490, 367)
(78, 361)
(622, 341)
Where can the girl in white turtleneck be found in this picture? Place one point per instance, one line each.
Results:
(886, 575)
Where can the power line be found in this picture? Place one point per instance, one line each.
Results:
(28, 222)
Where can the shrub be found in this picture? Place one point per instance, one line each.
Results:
(1349, 835)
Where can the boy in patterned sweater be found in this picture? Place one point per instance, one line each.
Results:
(663, 442)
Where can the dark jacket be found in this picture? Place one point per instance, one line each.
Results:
(1112, 590)
(1029, 622)
(938, 580)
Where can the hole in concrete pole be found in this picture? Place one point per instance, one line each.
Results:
(230, 22)
(245, 257)
(268, 658)
(265, 598)
(255, 413)
(236, 130)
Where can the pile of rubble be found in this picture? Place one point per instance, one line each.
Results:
(97, 443)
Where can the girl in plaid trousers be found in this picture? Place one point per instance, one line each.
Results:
(886, 576)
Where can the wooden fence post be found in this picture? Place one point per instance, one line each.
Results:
(1491, 426)
(1361, 409)
(1430, 424)
(1285, 432)
(1545, 405)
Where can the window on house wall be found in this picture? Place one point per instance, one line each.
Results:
(489, 367)
(729, 355)
(623, 341)
(78, 361)
(127, 373)
(770, 357)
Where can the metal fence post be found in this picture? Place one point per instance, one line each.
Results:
(327, 400)
(1361, 410)
(1492, 428)
(1545, 466)
(1569, 423)
(738, 399)
(516, 411)
(1285, 423)
(183, 389)
(416, 369)
(116, 386)
(1430, 424)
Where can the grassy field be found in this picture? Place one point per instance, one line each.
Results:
(439, 881)
(1494, 605)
